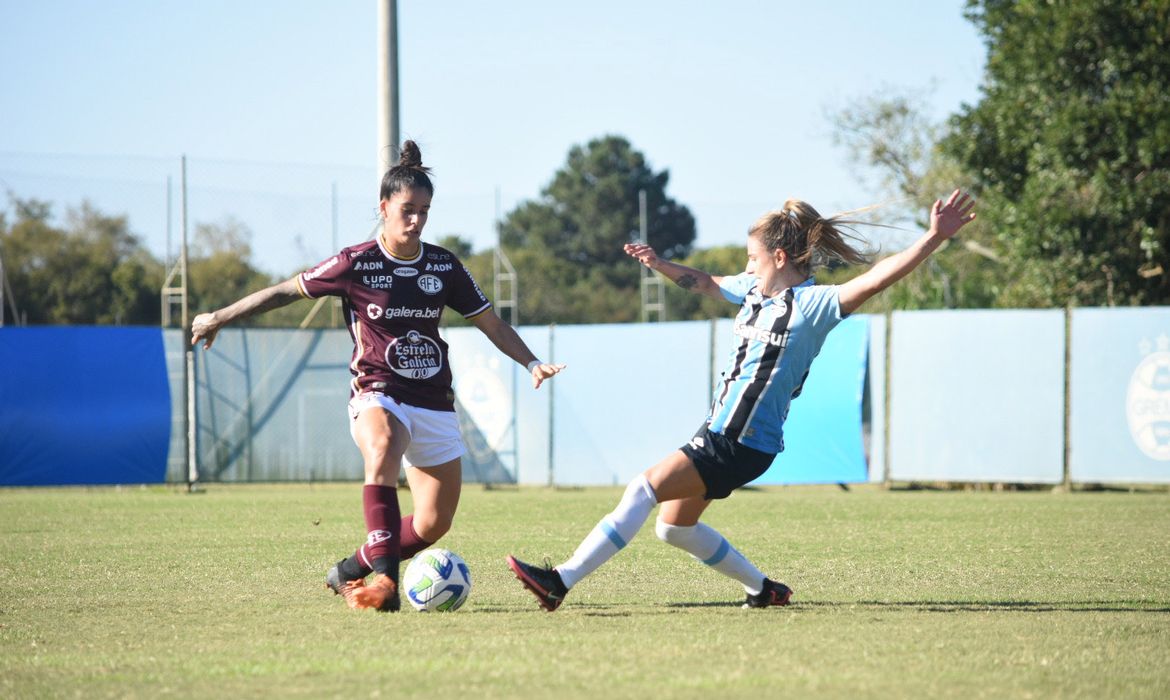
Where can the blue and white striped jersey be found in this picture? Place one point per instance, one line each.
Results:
(776, 342)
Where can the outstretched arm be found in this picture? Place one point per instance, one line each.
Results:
(688, 278)
(945, 221)
(205, 326)
(511, 344)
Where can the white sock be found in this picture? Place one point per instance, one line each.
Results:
(612, 533)
(713, 549)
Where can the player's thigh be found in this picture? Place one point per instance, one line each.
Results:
(434, 492)
(382, 440)
(675, 477)
(683, 512)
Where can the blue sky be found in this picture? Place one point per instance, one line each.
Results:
(274, 104)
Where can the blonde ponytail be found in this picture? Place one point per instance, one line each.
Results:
(810, 240)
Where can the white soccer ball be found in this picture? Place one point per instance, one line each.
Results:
(436, 580)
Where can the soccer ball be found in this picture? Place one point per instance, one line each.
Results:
(438, 580)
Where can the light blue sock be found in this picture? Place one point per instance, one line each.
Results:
(713, 549)
(612, 533)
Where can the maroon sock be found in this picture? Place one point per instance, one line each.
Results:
(411, 544)
(384, 528)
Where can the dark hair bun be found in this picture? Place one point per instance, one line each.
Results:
(409, 173)
(411, 157)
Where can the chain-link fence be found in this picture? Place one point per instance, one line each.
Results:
(292, 215)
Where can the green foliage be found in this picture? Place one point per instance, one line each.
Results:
(889, 134)
(458, 245)
(898, 594)
(554, 290)
(722, 261)
(219, 267)
(221, 272)
(567, 246)
(92, 271)
(1070, 147)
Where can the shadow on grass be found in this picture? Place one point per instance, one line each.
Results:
(936, 606)
(947, 606)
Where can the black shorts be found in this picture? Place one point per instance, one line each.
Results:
(724, 464)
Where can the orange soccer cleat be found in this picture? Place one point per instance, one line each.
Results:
(381, 594)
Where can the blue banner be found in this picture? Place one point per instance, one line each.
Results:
(83, 406)
(823, 433)
(977, 395)
(1119, 395)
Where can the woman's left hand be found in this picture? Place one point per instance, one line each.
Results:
(946, 219)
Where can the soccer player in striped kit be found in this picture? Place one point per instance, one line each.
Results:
(394, 290)
(783, 320)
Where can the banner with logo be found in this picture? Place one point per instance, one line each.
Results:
(504, 420)
(1119, 395)
(83, 406)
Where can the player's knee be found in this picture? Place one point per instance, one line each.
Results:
(435, 533)
(432, 526)
(676, 535)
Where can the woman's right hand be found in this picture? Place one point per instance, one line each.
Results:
(643, 253)
(204, 328)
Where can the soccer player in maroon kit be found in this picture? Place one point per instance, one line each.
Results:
(393, 291)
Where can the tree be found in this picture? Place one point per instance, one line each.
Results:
(1070, 148)
(94, 271)
(682, 305)
(221, 271)
(569, 243)
(889, 134)
(457, 244)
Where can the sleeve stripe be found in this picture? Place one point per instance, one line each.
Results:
(301, 288)
(478, 311)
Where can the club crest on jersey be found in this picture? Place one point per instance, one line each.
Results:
(374, 312)
(430, 284)
(414, 356)
(406, 271)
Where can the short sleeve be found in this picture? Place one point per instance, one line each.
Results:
(735, 289)
(327, 278)
(466, 297)
(821, 305)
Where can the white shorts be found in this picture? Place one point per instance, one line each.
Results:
(434, 435)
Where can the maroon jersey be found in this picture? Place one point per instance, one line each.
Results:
(392, 307)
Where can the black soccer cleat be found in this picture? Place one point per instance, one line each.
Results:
(545, 584)
(333, 580)
(774, 593)
(345, 589)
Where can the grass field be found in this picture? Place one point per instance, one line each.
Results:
(152, 592)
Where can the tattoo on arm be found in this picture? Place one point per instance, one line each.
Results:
(687, 281)
(264, 300)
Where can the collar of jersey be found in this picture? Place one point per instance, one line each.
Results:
(780, 297)
(397, 259)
